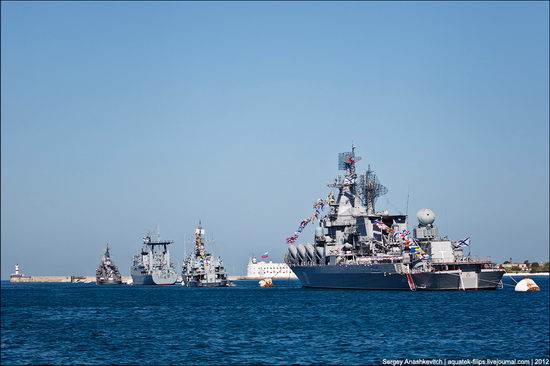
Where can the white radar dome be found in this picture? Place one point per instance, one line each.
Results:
(425, 216)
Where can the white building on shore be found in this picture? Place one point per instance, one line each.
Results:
(262, 269)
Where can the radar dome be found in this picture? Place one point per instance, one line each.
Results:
(425, 216)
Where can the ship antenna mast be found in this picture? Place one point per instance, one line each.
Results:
(199, 244)
(407, 210)
(371, 189)
(346, 162)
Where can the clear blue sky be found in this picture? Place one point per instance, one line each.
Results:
(120, 116)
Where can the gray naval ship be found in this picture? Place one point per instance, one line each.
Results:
(202, 269)
(356, 247)
(152, 266)
(107, 273)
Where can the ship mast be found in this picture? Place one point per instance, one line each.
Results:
(199, 243)
(370, 189)
(347, 184)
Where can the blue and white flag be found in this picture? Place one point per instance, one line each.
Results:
(413, 248)
(464, 243)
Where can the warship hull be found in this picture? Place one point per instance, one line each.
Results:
(164, 277)
(140, 279)
(206, 284)
(108, 281)
(154, 279)
(385, 277)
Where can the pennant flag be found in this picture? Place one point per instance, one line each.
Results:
(381, 225)
(291, 239)
(349, 180)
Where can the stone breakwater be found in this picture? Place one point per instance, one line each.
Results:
(125, 279)
(61, 279)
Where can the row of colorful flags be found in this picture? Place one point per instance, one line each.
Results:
(318, 205)
(404, 234)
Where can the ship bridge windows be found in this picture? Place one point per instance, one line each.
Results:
(400, 219)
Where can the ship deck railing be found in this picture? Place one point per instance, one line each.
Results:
(470, 260)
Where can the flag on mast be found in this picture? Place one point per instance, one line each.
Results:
(464, 243)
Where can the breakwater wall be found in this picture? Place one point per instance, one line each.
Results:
(60, 279)
(247, 278)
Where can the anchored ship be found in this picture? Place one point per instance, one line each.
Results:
(107, 273)
(152, 266)
(202, 269)
(356, 247)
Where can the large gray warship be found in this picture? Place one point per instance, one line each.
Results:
(152, 266)
(356, 247)
(107, 273)
(202, 269)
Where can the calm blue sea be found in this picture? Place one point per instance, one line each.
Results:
(89, 324)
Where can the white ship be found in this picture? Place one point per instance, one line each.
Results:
(263, 269)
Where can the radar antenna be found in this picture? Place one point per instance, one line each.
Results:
(370, 189)
(346, 161)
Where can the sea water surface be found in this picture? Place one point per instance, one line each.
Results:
(286, 324)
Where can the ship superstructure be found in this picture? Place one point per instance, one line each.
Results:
(107, 273)
(357, 247)
(202, 269)
(152, 265)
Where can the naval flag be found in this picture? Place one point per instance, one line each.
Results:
(464, 243)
